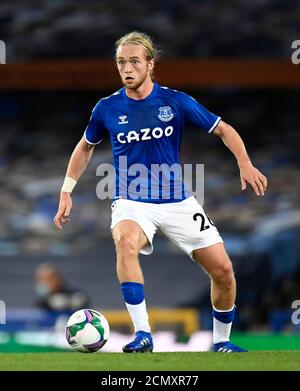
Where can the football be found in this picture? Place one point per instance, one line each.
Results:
(87, 330)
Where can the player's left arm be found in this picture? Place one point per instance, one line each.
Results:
(248, 173)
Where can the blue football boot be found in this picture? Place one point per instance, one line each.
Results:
(227, 347)
(142, 343)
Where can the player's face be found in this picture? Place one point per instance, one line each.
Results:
(133, 66)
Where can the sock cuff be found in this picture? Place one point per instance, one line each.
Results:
(132, 292)
(215, 309)
(226, 316)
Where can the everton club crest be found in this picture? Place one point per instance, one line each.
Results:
(165, 114)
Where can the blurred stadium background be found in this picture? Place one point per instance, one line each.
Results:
(235, 58)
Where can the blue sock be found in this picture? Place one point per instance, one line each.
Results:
(132, 292)
(224, 316)
(133, 295)
(222, 324)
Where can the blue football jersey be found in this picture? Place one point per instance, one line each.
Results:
(145, 136)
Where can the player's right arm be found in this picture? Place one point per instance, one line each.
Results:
(79, 160)
(76, 167)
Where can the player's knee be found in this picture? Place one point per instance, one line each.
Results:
(224, 274)
(126, 246)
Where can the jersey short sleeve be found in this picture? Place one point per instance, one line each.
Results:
(197, 114)
(95, 130)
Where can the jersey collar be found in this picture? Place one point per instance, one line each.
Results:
(152, 94)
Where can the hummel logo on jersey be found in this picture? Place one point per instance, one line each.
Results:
(122, 119)
(144, 134)
(165, 114)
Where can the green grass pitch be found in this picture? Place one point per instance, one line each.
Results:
(181, 361)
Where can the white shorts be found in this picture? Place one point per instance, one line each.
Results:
(184, 223)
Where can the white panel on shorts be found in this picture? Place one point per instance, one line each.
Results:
(123, 209)
(174, 219)
(184, 231)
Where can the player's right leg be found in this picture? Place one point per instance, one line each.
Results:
(129, 239)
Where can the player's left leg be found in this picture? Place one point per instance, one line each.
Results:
(195, 233)
(215, 260)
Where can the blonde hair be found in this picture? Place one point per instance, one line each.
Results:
(142, 39)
